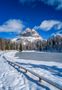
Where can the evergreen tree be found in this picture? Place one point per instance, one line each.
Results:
(20, 48)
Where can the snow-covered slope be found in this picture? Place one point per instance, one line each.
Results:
(10, 79)
(44, 66)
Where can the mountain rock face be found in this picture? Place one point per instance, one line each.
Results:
(29, 39)
(29, 36)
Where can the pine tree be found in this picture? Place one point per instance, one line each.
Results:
(20, 48)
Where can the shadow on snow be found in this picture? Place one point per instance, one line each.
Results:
(32, 80)
(53, 69)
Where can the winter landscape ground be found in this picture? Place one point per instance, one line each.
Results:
(48, 65)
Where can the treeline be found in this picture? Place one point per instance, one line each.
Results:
(52, 44)
(7, 44)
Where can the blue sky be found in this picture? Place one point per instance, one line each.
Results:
(45, 16)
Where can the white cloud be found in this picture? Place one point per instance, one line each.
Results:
(56, 3)
(12, 26)
(47, 25)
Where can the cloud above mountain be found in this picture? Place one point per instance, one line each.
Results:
(12, 26)
(47, 25)
(55, 3)
(17, 26)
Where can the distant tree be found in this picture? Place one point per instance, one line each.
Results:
(3, 44)
(6, 47)
(7, 44)
(0, 44)
(20, 48)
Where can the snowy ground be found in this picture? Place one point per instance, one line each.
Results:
(46, 64)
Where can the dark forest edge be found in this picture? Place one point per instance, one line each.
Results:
(53, 44)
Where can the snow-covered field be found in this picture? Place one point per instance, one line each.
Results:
(45, 64)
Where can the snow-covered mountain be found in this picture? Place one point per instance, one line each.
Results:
(28, 35)
(57, 34)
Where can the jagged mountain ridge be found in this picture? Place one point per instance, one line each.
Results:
(28, 35)
(57, 34)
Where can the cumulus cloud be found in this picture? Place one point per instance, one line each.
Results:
(56, 3)
(47, 25)
(12, 26)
